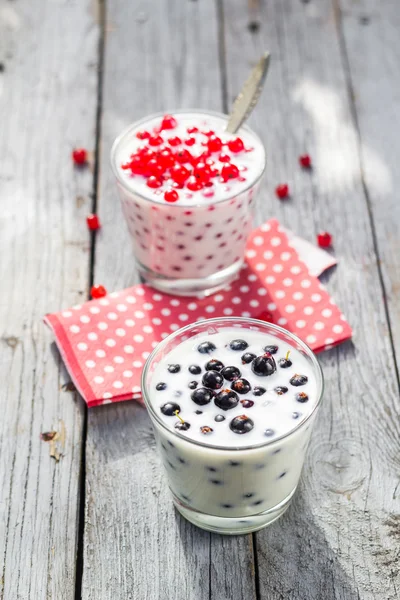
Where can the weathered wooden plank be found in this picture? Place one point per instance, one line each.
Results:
(47, 102)
(371, 53)
(338, 540)
(157, 58)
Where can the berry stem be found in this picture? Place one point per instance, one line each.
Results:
(287, 355)
(176, 413)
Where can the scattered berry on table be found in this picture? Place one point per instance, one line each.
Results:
(271, 349)
(195, 369)
(226, 399)
(297, 379)
(247, 358)
(214, 365)
(241, 424)
(93, 222)
(264, 365)
(302, 397)
(80, 156)
(98, 291)
(281, 389)
(170, 408)
(247, 403)
(230, 373)
(219, 418)
(305, 161)
(174, 368)
(324, 239)
(238, 345)
(161, 386)
(269, 432)
(282, 191)
(241, 386)
(259, 391)
(206, 347)
(202, 396)
(206, 429)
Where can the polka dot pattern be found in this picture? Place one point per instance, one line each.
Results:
(105, 342)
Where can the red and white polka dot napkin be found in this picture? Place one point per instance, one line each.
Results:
(104, 343)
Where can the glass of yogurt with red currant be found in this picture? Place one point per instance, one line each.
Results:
(188, 189)
(232, 403)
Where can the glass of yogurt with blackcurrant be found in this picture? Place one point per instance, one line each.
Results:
(188, 189)
(232, 403)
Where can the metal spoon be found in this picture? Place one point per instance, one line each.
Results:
(248, 95)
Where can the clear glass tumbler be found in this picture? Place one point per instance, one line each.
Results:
(188, 462)
(195, 246)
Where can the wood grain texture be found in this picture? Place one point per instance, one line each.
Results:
(47, 105)
(371, 52)
(136, 546)
(340, 537)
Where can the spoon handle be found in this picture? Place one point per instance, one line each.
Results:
(249, 94)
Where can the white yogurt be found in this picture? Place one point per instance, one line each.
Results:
(231, 474)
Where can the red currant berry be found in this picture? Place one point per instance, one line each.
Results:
(190, 141)
(143, 135)
(155, 167)
(224, 158)
(136, 165)
(229, 171)
(305, 161)
(214, 173)
(202, 172)
(171, 196)
(179, 173)
(202, 158)
(93, 222)
(193, 184)
(324, 239)
(183, 156)
(168, 122)
(191, 130)
(153, 182)
(174, 141)
(155, 140)
(79, 156)
(282, 191)
(209, 133)
(214, 144)
(98, 291)
(166, 159)
(236, 145)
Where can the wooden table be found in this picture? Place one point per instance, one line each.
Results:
(99, 524)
